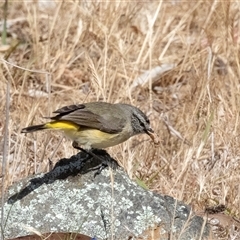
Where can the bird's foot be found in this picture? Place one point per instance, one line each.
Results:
(105, 160)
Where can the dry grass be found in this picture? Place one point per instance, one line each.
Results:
(95, 51)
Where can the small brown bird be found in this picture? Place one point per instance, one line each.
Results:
(98, 124)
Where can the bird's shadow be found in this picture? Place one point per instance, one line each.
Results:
(80, 163)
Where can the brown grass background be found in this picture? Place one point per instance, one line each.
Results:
(83, 51)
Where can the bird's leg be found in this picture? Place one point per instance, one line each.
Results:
(103, 156)
(99, 168)
(75, 145)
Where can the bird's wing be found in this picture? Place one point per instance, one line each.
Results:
(68, 109)
(81, 115)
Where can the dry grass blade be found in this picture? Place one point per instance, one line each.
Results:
(5, 154)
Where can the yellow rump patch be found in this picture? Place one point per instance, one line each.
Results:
(63, 125)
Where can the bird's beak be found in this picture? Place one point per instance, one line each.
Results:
(152, 135)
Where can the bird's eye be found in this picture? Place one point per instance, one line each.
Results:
(142, 124)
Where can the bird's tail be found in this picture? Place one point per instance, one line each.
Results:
(33, 128)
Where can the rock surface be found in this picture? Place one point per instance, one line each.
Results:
(106, 206)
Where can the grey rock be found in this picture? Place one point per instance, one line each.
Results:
(106, 206)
